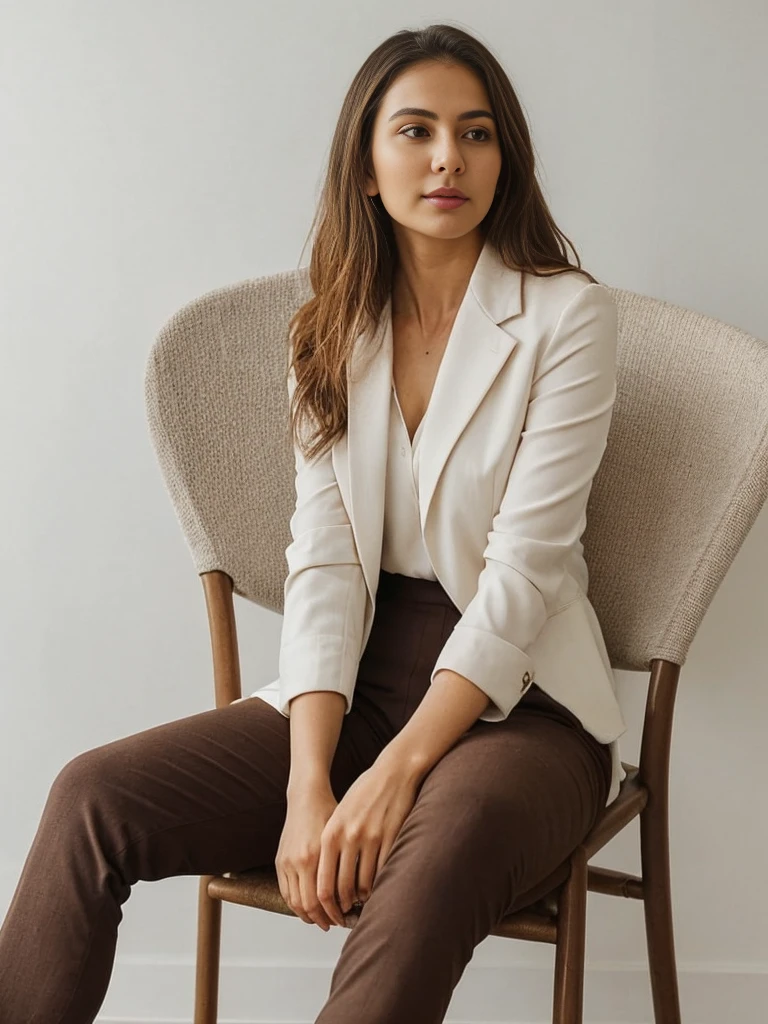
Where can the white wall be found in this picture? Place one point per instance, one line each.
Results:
(152, 151)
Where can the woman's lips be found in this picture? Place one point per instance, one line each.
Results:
(446, 202)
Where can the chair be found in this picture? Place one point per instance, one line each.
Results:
(682, 480)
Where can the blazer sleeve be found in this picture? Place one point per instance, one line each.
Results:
(324, 592)
(543, 510)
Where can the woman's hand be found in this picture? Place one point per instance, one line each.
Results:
(361, 832)
(299, 851)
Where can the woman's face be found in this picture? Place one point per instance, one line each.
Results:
(435, 144)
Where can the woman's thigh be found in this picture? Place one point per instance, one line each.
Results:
(504, 807)
(202, 794)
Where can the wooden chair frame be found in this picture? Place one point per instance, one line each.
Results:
(559, 917)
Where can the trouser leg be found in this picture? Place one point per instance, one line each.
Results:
(200, 795)
(497, 814)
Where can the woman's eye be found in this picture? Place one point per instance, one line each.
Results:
(413, 128)
(420, 128)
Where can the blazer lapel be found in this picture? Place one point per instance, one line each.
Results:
(477, 349)
(360, 456)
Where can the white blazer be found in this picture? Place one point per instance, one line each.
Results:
(515, 430)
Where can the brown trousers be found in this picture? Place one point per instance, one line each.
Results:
(492, 825)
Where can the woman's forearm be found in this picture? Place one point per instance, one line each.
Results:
(451, 705)
(315, 718)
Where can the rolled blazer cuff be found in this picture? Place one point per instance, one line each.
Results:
(315, 663)
(498, 668)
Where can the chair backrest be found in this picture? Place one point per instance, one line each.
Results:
(683, 476)
(217, 407)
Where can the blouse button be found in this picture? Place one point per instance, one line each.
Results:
(402, 449)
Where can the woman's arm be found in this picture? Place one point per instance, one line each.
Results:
(315, 728)
(543, 511)
(324, 594)
(448, 709)
(315, 719)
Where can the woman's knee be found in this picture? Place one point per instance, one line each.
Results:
(80, 773)
(92, 780)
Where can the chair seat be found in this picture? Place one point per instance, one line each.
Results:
(535, 918)
(258, 888)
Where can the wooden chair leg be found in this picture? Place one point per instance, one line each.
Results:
(657, 905)
(208, 954)
(568, 1004)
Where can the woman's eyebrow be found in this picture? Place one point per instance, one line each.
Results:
(469, 115)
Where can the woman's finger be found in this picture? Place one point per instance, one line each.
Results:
(295, 902)
(366, 871)
(309, 901)
(348, 856)
(327, 868)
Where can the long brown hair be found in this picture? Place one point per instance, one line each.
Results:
(354, 254)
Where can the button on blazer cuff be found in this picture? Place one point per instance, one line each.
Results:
(498, 668)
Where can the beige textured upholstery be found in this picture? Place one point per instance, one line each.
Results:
(683, 478)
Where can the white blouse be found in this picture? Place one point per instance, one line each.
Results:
(403, 549)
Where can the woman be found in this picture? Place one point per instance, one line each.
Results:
(384, 780)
